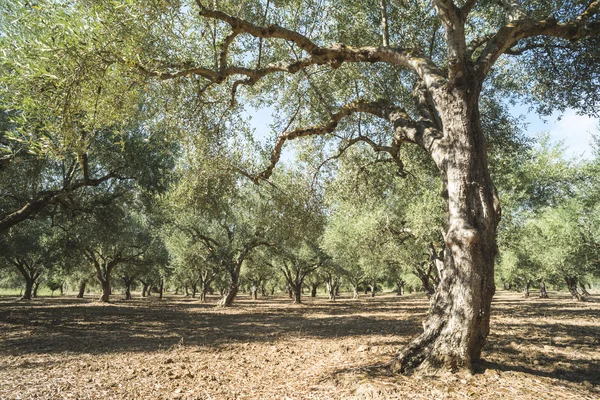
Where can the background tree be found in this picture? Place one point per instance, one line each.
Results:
(32, 249)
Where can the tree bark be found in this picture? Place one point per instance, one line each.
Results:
(526, 289)
(254, 292)
(457, 325)
(399, 287)
(82, 286)
(330, 291)
(297, 294)
(36, 285)
(313, 289)
(28, 289)
(584, 292)
(161, 288)
(543, 292)
(105, 296)
(229, 296)
(128, 291)
(572, 287)
(355, 292)
(233, 286)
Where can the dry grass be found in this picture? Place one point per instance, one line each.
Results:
(269, 348)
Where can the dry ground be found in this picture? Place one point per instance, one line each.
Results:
(64, 347)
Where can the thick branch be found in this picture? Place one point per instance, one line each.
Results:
(411, 59)
(46, 198)
(510, 34)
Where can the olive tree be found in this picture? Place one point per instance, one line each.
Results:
(367, 72)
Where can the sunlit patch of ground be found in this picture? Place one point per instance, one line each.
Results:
(63, 347)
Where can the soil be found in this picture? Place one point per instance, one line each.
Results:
(179, 348)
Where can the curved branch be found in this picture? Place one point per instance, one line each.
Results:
(406, 130)
(510, 34)
(49, 197)
(412, 59)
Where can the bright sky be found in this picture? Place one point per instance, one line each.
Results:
(574, 130)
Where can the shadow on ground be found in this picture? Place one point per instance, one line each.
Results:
(551, 338)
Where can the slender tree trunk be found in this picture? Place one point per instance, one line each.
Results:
(263, 291)
(194, 291)
(254, 292)
(457, 325)
(373, 290)
(526, 289)
(313, 289)
(82, 286)
(128, 291)
(28, 289)
(161, 288)
(355, 292)
(543, 292)
(36, 285)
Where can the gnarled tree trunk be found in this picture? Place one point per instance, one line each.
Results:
(105, 296)
(28, 289)
(572, 287)
(331, 291)
(233, 286)
(457, 326)
(313, 289)
(583, 290)
(145, 288)
(297, 294)
(399, 288)
(82, 286)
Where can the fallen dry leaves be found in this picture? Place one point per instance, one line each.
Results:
(179, 348)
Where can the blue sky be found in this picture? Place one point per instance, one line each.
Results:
(574, 130)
